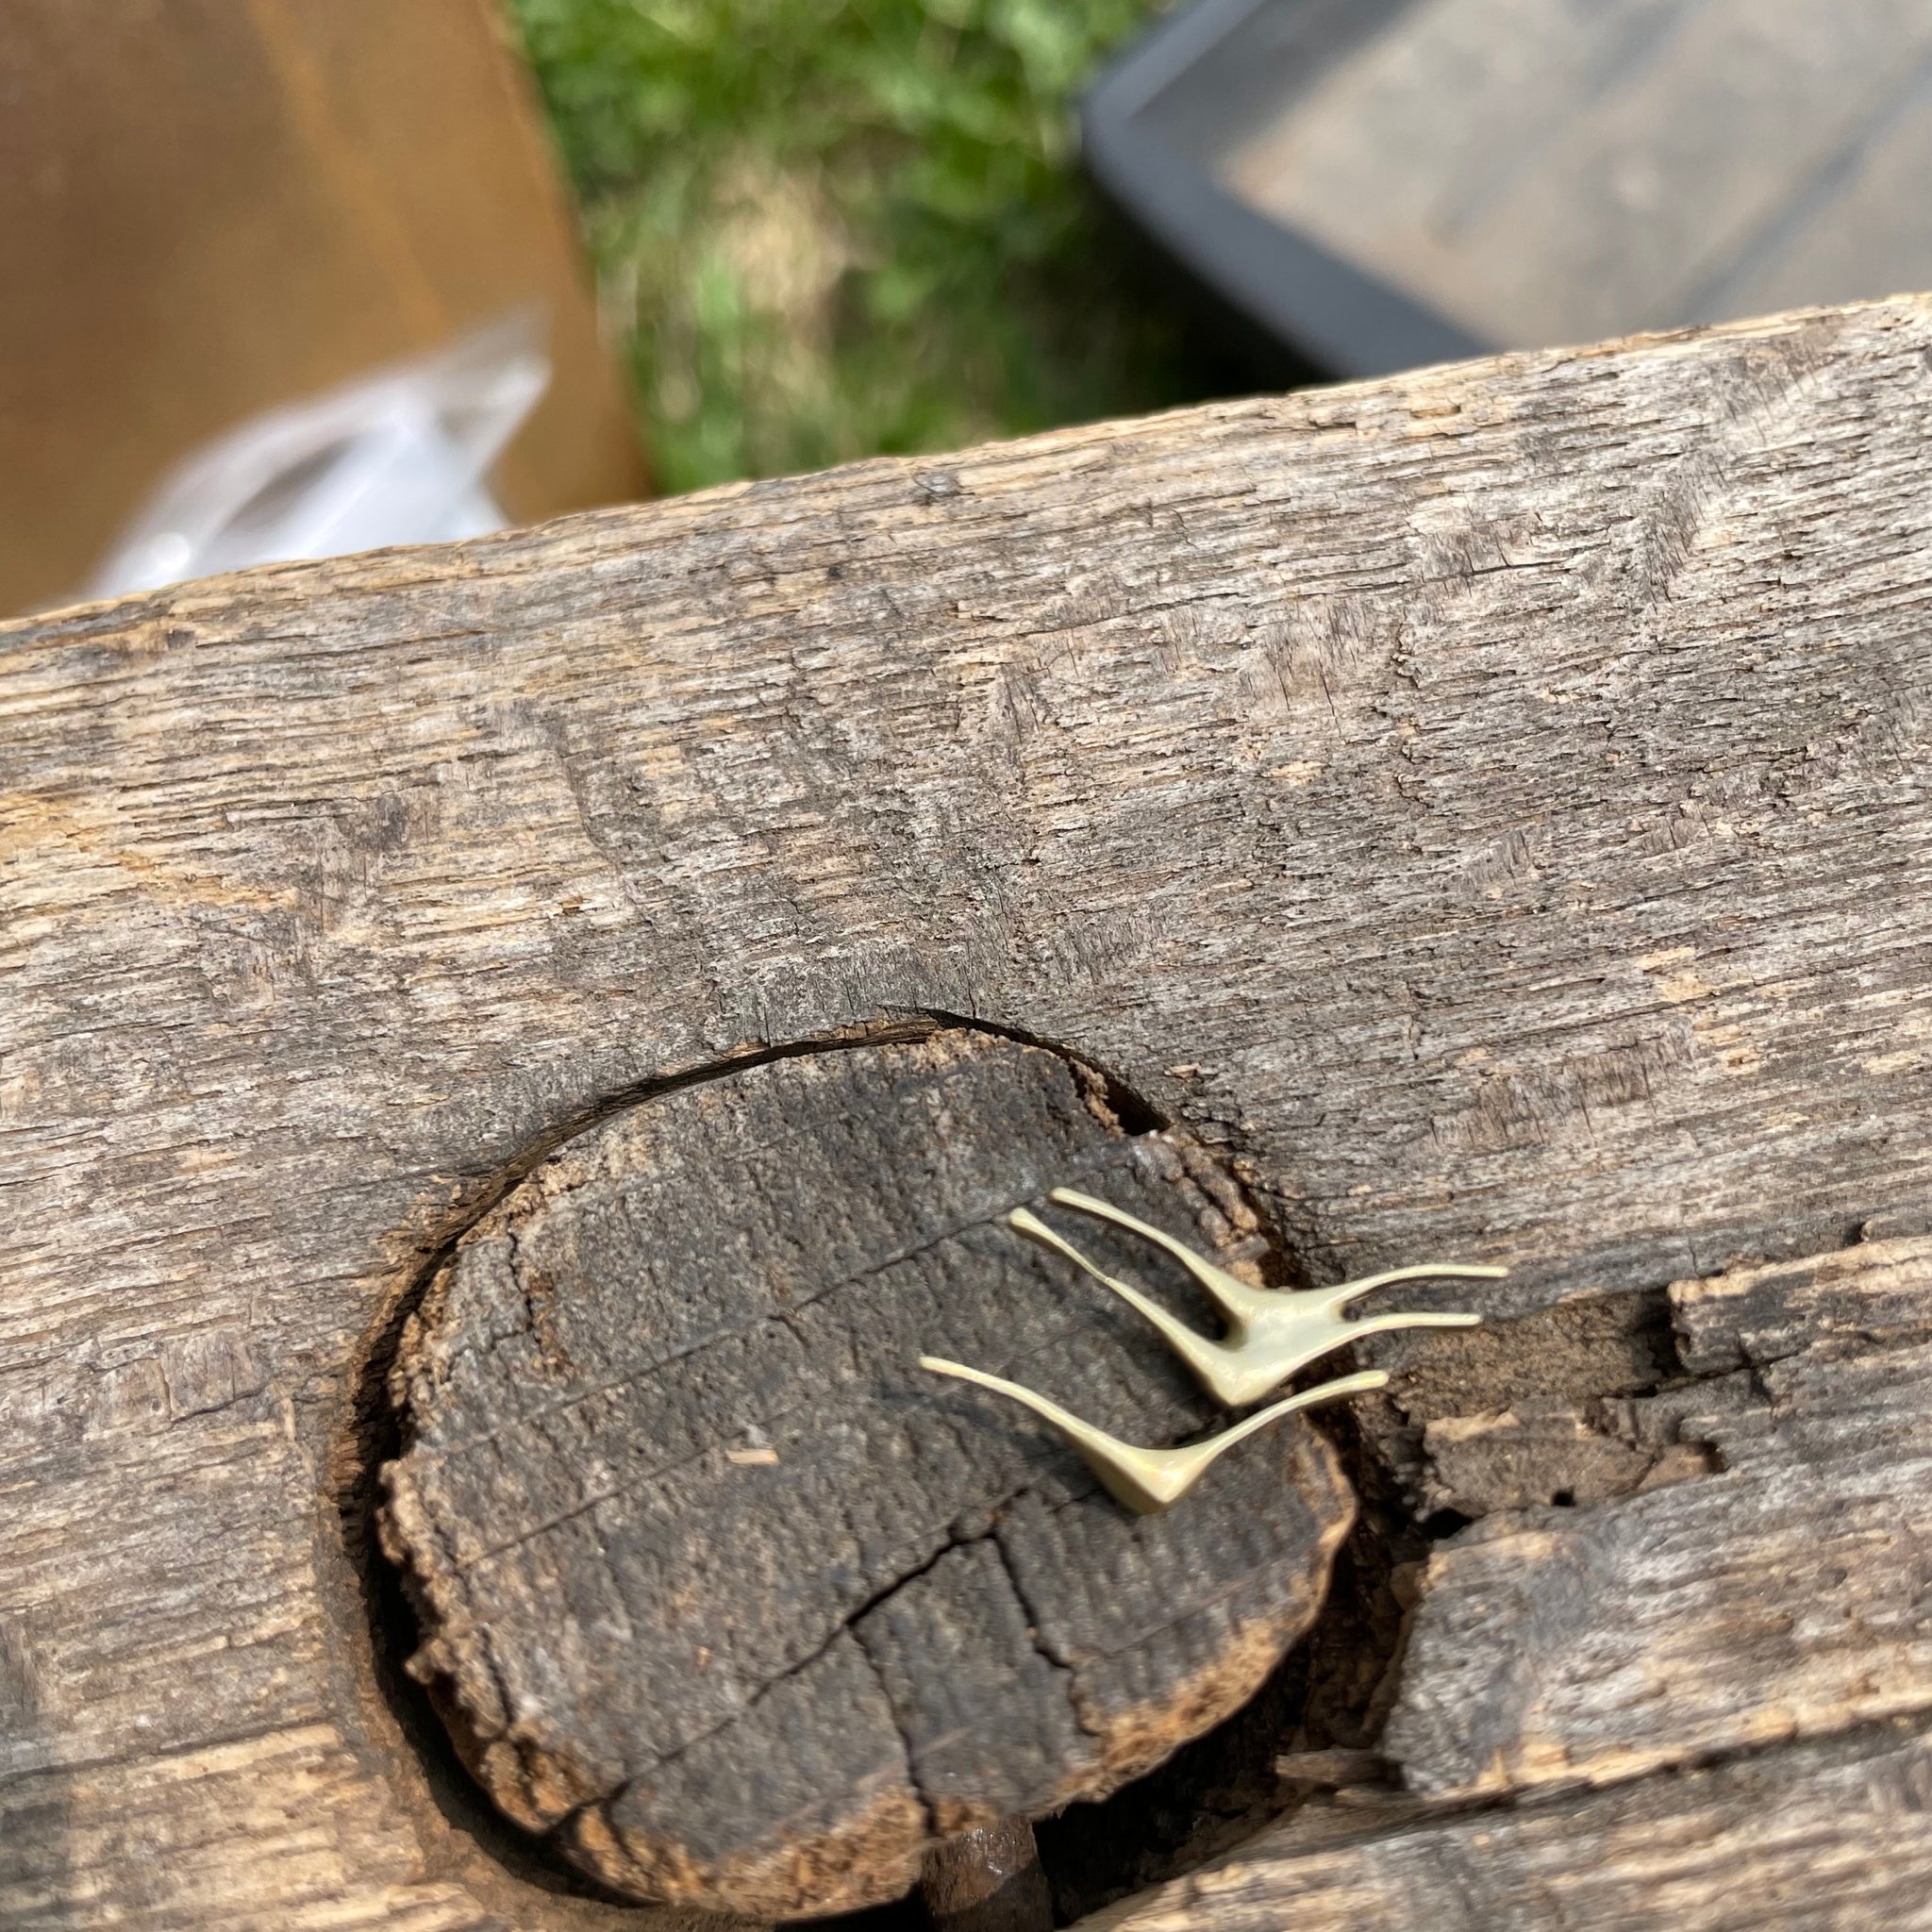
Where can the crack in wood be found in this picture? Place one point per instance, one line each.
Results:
(1164, 1650)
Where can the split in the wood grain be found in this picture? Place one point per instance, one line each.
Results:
(1271, 1333)
(1151, 1480)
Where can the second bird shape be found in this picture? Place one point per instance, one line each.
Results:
(1271, 1333)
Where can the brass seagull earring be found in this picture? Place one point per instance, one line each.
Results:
(1271, 1334)
(1151, 1480)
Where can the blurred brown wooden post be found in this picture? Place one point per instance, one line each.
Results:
(209, 207)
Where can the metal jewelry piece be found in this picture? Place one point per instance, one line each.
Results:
(1151, 1480)
(1271, 1334)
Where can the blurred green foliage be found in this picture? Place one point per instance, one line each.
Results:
(828, 228)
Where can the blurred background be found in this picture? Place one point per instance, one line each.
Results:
(829, 228)
(286, 278)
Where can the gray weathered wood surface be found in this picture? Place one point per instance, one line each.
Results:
(1489, 805)
(1785, 1592)
(734, 1599)
(1827, 1838)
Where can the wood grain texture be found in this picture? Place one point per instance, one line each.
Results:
(726, 1593)
(1787, 1592)
(1488, 807)
(1827, 1838)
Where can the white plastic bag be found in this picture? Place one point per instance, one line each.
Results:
(398, 456)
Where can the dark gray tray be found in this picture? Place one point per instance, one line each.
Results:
(1382, 183)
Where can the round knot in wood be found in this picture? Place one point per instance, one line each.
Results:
(723, 1592)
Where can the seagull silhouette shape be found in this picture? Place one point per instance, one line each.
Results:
(1151, 1480)
(1271, 1334)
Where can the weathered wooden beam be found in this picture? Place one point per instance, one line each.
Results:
(1818, 1836)
(1487, 808)
(1782, 1590)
